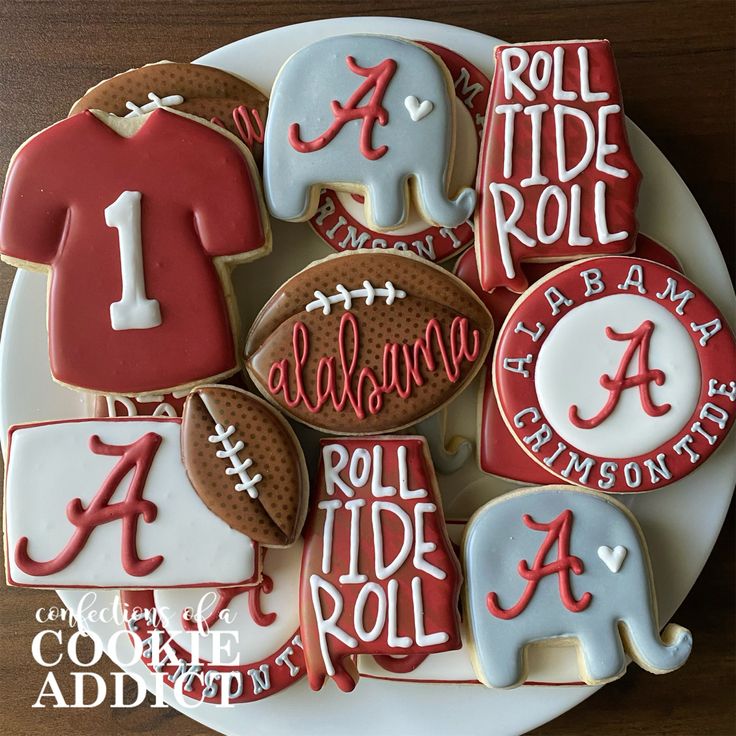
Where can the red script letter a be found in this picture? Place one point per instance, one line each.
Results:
(558, 530)
(639, 339)
(138, 457)
(377, 79)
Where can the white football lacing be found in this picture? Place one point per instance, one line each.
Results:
(239, 467)
(344, 296)
(155, 101)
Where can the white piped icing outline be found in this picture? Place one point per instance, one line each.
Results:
(155, 102)
(231, 453)
(345, 297)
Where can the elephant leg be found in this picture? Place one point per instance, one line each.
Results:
(503, 663)
(602, 654)
(387, 203)
(435, 206)
(653, 653)
(286, 200)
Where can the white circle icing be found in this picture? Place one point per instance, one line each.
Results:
(577, 353)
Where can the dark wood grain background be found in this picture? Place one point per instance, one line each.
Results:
(676, 62)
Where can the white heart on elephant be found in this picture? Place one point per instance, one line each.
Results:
(418, 110)
(612, 558)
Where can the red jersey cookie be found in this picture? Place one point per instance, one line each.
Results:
(370, 341)
(379, 575)
(617, 374)
(340, 220)
(498, 452)
(556, 179)
(200, 90)
(138, 221)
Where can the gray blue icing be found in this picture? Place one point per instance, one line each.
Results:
(417, 149)
(621, 602)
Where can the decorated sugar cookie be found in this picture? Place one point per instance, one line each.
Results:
(340, 219)
(370, 341)
(64, 530)
(200, 90)
(556, 179)
(553, 566)
(259, 652)
(138, 221)
(498, 452)
(149, 405)
(246, 463)
(373, 115)
(616, 373)
(379, 575)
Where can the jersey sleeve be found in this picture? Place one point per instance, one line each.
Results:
(230, 217)
(33, 213)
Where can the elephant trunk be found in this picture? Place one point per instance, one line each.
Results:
(438, 208)
(654, 654)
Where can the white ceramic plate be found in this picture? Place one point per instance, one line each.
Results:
(681, 523)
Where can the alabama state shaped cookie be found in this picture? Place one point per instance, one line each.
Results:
(370, 341)
(209, 93)
(556, 565)
(138, 222)
(370, 114)
(379, 575)
(616, 373)
(246, 464)
(556, 178)
(340, 219)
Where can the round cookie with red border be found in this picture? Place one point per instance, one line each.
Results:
(340, 220)
(616, 373)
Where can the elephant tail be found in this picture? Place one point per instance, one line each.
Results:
(437, 208)
(655, 654)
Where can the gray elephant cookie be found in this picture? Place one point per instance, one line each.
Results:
(552, 565)
(370, 114)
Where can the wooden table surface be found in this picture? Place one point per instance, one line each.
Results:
(676, 62)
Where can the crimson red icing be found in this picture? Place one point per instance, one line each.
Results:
(377, 79)
(379, 575)
(248, 123)
(136, 457)
(204, 681)
(556, 178)
(638, 344)
(550, 357)
(499, 454)
(403, 366)
(223, 599)
(198, 201)
(558, 532)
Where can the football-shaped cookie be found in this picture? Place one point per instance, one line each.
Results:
(213, 94)
(245, 463)
(367, 342)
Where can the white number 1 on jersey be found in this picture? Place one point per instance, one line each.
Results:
(134, 311)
